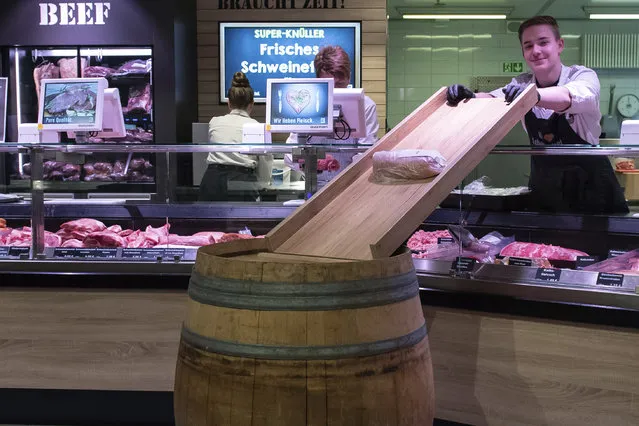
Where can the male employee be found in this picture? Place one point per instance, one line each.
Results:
(567, 112)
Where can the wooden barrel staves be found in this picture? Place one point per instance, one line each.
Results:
(290, 340)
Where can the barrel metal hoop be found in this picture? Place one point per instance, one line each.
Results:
(239, 294)
(224, 347)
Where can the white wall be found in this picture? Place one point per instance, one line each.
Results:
(423, 56)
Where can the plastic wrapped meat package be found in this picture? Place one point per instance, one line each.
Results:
(484, 250)
(627, 264)
(482, 186)
(406, 165)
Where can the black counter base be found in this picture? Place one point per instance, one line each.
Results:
(94, 407)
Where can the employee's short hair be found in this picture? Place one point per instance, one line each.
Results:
(240, 93)
(333, 60)
(540, 20)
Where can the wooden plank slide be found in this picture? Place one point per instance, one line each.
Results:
(354, 218)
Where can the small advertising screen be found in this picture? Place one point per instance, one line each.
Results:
(282, 50)
(3, 108)
(70, 103)
(300, 104)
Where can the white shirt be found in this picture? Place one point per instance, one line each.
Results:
(227, 129)
(583, 115)
(372, 127)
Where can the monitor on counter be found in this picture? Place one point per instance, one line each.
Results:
(264, 50)
(351, 121)
(299, 105)
(112, 116)
(72, 104)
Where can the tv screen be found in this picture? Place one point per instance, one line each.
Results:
(300, 105)
(72, 104)
(280, 50)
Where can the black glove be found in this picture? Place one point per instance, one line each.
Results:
(457, 93)
(513, 90)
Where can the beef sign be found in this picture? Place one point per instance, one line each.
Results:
(74, 13)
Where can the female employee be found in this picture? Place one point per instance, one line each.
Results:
(567, 112)
(230, 166)
(333, 62)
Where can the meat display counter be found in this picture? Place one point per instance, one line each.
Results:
(143, 235)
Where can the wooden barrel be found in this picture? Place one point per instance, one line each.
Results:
(285, 340)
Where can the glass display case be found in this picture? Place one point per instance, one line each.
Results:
(459, 247)
(128, 69)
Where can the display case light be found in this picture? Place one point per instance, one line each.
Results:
(116, 52)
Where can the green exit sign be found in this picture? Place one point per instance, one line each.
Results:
(513, 66)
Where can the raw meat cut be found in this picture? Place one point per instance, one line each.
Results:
(422, 240)
(214, 237)
(22, 238)
(233, 236)
(126, 232)
(115, 228)
(536, 251)
(3, 223)
(186, 240)
(104, 239)
(18, 237)
(83, 225)
(97, 71)
(139, 239)
(136, 66)
(51, 239)
(69, 67)
(72, 243)
(406, 165)
(324, 164)
(627, 263)
(162, 232)
(42, 71)
(139, 100)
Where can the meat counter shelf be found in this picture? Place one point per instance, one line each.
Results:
(24, 185)
(116, 254)
(575, 287)
(578, 287)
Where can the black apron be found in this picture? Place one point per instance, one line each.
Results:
(578, 184)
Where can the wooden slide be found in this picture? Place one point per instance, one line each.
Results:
(354, 218)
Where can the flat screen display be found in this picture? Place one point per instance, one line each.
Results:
(300, 105)
(284, 49)
(3, 108)
(70, 103)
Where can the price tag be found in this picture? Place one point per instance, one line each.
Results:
(520, 261)
(4, 251)
(463, 264)
(143, 254)
(615, 253)
(444, 240)
(19, 251)
(85, 253)
(583, 261)
(174, 253)
(608, 279)
(548, 274)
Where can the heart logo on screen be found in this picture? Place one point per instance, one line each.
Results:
(298, 99)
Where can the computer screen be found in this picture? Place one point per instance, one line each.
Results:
(264, 50)
(112, 116)
(299, 105)
(351, 122)
(72, 104)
